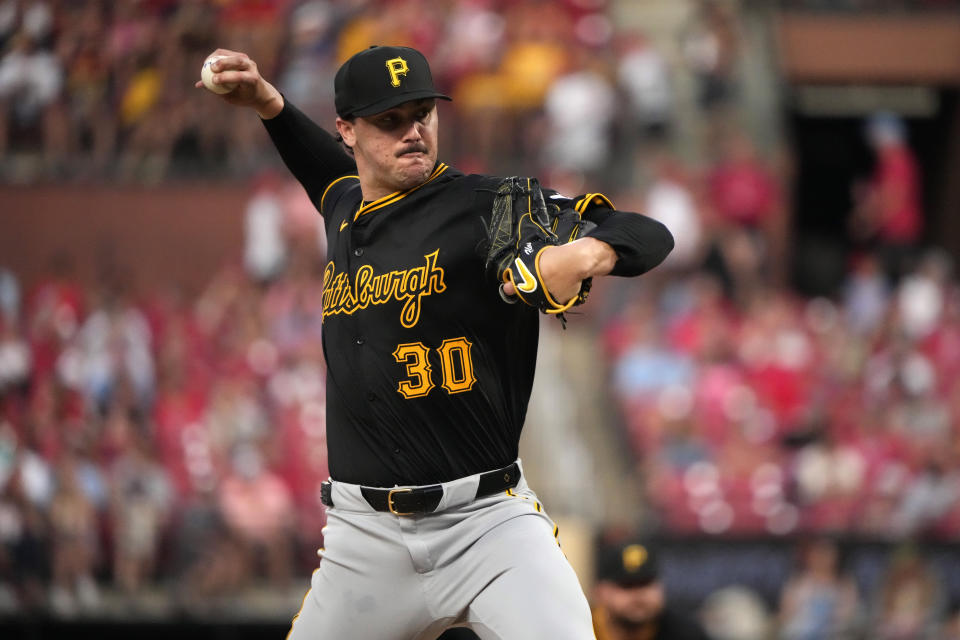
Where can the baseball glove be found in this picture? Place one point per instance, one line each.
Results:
(521, 226)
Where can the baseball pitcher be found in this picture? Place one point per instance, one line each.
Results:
(432, 292)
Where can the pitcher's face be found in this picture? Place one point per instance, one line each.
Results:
(395, 149)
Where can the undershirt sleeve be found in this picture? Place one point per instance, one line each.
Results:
(311, 154)
(641, 242)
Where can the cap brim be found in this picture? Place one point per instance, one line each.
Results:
(393, 101)
(633, 582)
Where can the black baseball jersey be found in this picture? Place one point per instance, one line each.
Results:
(429, 371)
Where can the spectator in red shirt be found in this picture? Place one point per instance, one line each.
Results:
(744, 208)
(889, 211)
(742, 190)
(258, 508)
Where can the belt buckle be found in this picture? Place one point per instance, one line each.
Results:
(390, 502)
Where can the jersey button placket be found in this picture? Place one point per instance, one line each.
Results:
(358, 251)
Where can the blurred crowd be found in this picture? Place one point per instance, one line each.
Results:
(818, 590)
(94, 90)
(146, 438)
(149, 437)
(155, 440)
(755, 409)
(786, 414)
(870, 5)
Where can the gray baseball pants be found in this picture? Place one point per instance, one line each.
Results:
(493, 564)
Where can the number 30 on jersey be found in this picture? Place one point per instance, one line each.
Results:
(456, 367)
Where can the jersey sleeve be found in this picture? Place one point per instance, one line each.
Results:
(641, 242)
(311, 154)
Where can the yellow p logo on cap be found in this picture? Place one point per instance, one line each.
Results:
(396, 67)
(634, 556)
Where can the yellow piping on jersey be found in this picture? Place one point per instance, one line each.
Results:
(397, 195)
(328, 189)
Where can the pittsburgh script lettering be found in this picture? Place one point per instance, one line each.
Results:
(408, 286)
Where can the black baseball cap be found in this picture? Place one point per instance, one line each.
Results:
(628, 564)
(380, 78)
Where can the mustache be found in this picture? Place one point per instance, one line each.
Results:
(414, 148)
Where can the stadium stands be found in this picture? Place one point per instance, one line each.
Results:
(144, 434)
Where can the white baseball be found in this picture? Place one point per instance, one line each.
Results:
(206, 76)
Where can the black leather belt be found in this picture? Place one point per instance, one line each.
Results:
(421, 500)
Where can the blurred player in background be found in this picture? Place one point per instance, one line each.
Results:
(629, 600)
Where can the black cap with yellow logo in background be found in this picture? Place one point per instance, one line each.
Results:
(628, 564)
(380, 78)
